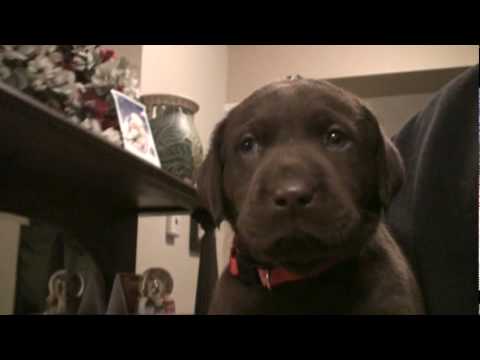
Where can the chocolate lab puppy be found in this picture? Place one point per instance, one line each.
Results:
(303, 173)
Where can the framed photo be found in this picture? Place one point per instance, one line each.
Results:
(135, 128)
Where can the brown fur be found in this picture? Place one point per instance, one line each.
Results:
(298, 196)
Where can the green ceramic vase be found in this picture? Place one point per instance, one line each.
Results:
(176, 138)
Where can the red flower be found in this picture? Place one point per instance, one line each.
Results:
(106, 54)
(67, 66)
(96, 104)
(110, 121)
(101, 107)
(90, 94)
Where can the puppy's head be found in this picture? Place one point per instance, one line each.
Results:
(302, 171)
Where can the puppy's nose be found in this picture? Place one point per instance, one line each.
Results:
(293, 195)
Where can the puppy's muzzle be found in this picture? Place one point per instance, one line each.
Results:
(292, 195)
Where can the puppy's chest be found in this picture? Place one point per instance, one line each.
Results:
(335, 294)
(307, 298)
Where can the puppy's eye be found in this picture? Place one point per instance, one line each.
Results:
(336, 139)
(247, 145)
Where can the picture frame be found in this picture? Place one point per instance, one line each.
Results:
(135, 128)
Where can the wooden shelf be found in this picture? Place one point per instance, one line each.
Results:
(55, 171)
(41, 152)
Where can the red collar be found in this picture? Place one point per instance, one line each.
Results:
(270, 278)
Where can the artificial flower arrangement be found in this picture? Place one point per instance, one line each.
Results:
(75, 79)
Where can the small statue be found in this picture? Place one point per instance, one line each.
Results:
(155, 291)
(57, 292)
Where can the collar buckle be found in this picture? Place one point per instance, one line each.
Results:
(265, 278)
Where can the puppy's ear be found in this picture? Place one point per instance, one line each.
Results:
(391, 171)
(390, 167)
(210, 177)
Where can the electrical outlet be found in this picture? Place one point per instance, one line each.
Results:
(173, 229)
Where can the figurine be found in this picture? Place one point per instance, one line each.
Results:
(155, 289)
(57, 292)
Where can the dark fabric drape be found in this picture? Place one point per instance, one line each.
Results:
(208, 268)
(435, 216)
(40, 255)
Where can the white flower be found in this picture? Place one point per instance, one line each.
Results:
(96, 128)
(15, 55)
(56, 57)
(113, 136)
(28, 50)
(78, 63)
(39, 84)
(5, 72)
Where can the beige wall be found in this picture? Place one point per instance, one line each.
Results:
(394, 111)
(132, 52)
(9, 244)
(200, 73)
(251, 66)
